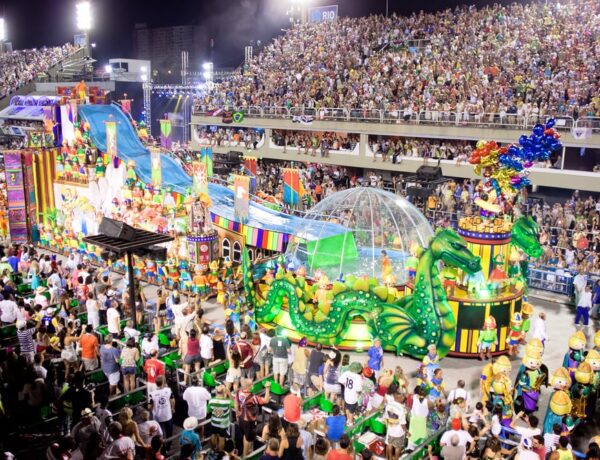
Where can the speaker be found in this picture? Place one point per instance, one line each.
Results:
(429, 173)
(116, 229)
(418, 192)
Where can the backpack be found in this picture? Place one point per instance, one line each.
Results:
(250, 408)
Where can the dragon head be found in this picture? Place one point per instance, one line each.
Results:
(525, 233)
(448, 246)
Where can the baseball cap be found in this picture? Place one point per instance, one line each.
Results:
(526, 442)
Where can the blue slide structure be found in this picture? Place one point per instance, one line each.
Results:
(129, 147)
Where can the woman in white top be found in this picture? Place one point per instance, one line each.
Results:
(418, 419)
(93, 310)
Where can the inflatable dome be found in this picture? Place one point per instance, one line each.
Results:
(361, 231)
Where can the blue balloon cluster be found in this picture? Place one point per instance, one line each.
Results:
(539, 145)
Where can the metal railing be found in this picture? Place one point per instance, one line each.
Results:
(434, 117)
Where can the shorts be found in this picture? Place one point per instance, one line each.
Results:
(396, 442)
(485, 345)
(300, 379)
(128, 370)
(352, 408)
(280, 366)
(113, 379)
(90, 364)
(192, 359)
(248, 428)
(233, 375)
(332, 388)
(221, 432)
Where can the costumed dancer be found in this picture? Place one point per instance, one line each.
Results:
(526, 313)
(593, 359)
(501, 365)
(581, 390)
(386, 265)
(515, 334)
(498, 277)
(431, 361)
(501, 396)
(213, 276)
(559, 406)
(574, 356)
(200, 281)
(488, 337)
(531, 376)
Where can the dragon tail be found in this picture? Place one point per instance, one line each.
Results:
(396, 326)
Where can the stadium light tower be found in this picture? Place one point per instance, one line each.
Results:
(2, 30)
(83, 17)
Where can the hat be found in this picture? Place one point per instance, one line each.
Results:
(110, 293)
(331, 354)
(50, 311)
(40, 289)
(190, 423)
(295, 390)
(303, 342)
(355, 367)
(21, 324)
(456, 425)
(87, 412)
(526, 443)
(367, 372)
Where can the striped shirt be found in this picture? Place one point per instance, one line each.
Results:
(25, 337)
(220, 409)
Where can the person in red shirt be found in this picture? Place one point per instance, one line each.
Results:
(247, 353)
(153, 368)
(342, 452)
(292, 405)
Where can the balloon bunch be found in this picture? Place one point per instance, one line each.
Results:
(507, 168)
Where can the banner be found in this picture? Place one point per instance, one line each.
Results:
(241, 187)
(66, 121)
(581, 133)
(44, 173)
(156, 168)
(126, 105)
(199, 178)
(291, 186)
(166, 131)
(250, 165)
(20, 193)
(206, 157)
(73, 110)
(111, 139)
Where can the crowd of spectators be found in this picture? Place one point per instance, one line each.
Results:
(395, 148)
(57, 350)
(309, 142)
(248, 138)
(518, 60)
(18, 68)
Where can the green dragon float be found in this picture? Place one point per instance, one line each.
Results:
(406, 325)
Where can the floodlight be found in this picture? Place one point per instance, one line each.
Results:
(2, 30)
(83, 11)
(207, 65)
(108, 68)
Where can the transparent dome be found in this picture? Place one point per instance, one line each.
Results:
(348, 231)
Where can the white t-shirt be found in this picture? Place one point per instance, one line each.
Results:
(459, 393)
(119, 448)
(149, 345)
(131, 332)
(149, 429)
(161, 404)
(113, 319)
(10, 311)
(463, 437)
(196, 398)
(352, 386)
(527, 432)
(206, 346)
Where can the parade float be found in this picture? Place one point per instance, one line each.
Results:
(383, 273)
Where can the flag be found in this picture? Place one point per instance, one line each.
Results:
(126, 105)
(199, 178)
(156, 167)
(111, 139)
(241, 186)
(165, 133)
(250, 165)
(67, 126)
(73, 110)
(206, 156)
(580, 133)
(291, 186)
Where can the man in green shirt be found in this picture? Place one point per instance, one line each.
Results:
(280, 346)
(220, 415)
